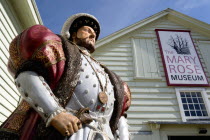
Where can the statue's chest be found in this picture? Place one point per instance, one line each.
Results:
(93, 80)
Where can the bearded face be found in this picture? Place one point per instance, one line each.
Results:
(85, 43)
(85, 37)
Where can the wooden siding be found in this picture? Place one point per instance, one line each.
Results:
(204, 47)
(9, 96)
(152, 99)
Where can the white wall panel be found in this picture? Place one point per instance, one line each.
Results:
(152, 99)
(9, 95)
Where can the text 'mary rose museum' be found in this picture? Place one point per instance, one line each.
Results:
(180, 59)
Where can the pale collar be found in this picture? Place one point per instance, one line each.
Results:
(84, 50)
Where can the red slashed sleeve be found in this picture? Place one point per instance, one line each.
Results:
(40, 44)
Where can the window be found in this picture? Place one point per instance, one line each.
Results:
(193, 104)
(145, 59)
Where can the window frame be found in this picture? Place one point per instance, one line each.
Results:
(205, 99)
(136, 62)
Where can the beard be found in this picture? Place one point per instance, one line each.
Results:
(85, 43)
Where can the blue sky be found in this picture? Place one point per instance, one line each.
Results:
(114, 15)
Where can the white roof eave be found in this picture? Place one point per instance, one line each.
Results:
(173, 15)
(129, 29)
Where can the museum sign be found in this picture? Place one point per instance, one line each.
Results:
(180, 59)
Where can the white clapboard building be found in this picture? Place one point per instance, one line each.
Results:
(15, 16)
(165, 61)
(163, 58)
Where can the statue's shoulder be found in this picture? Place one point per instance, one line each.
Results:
(34, 37)
(37, 43)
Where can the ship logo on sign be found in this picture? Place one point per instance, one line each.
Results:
(179, 44)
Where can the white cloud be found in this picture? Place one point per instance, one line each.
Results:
(190, 4)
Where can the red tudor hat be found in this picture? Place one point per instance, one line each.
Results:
(76, 21)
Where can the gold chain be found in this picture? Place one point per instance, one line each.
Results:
(102, 89)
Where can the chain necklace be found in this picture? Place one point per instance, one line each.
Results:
(103, 98)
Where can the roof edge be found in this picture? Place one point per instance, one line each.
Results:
(130, 28)
(27, 8)
(200, 26)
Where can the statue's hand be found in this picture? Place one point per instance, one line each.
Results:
(66, 124)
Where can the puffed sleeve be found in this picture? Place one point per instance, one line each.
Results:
(37, 62)
(37, 49)
(126, 99)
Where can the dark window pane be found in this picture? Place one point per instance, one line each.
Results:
(189, 100)
(193, 94)
(200, 100)
(191, 107)
(192, 113)
(203, 107)
(184, 100)
(185, 106)
(198, 113)
(195, 100)
(187, 113)
(197, 107)
(204, 113)
(187, 94)
(182, 94)
(198, 94)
